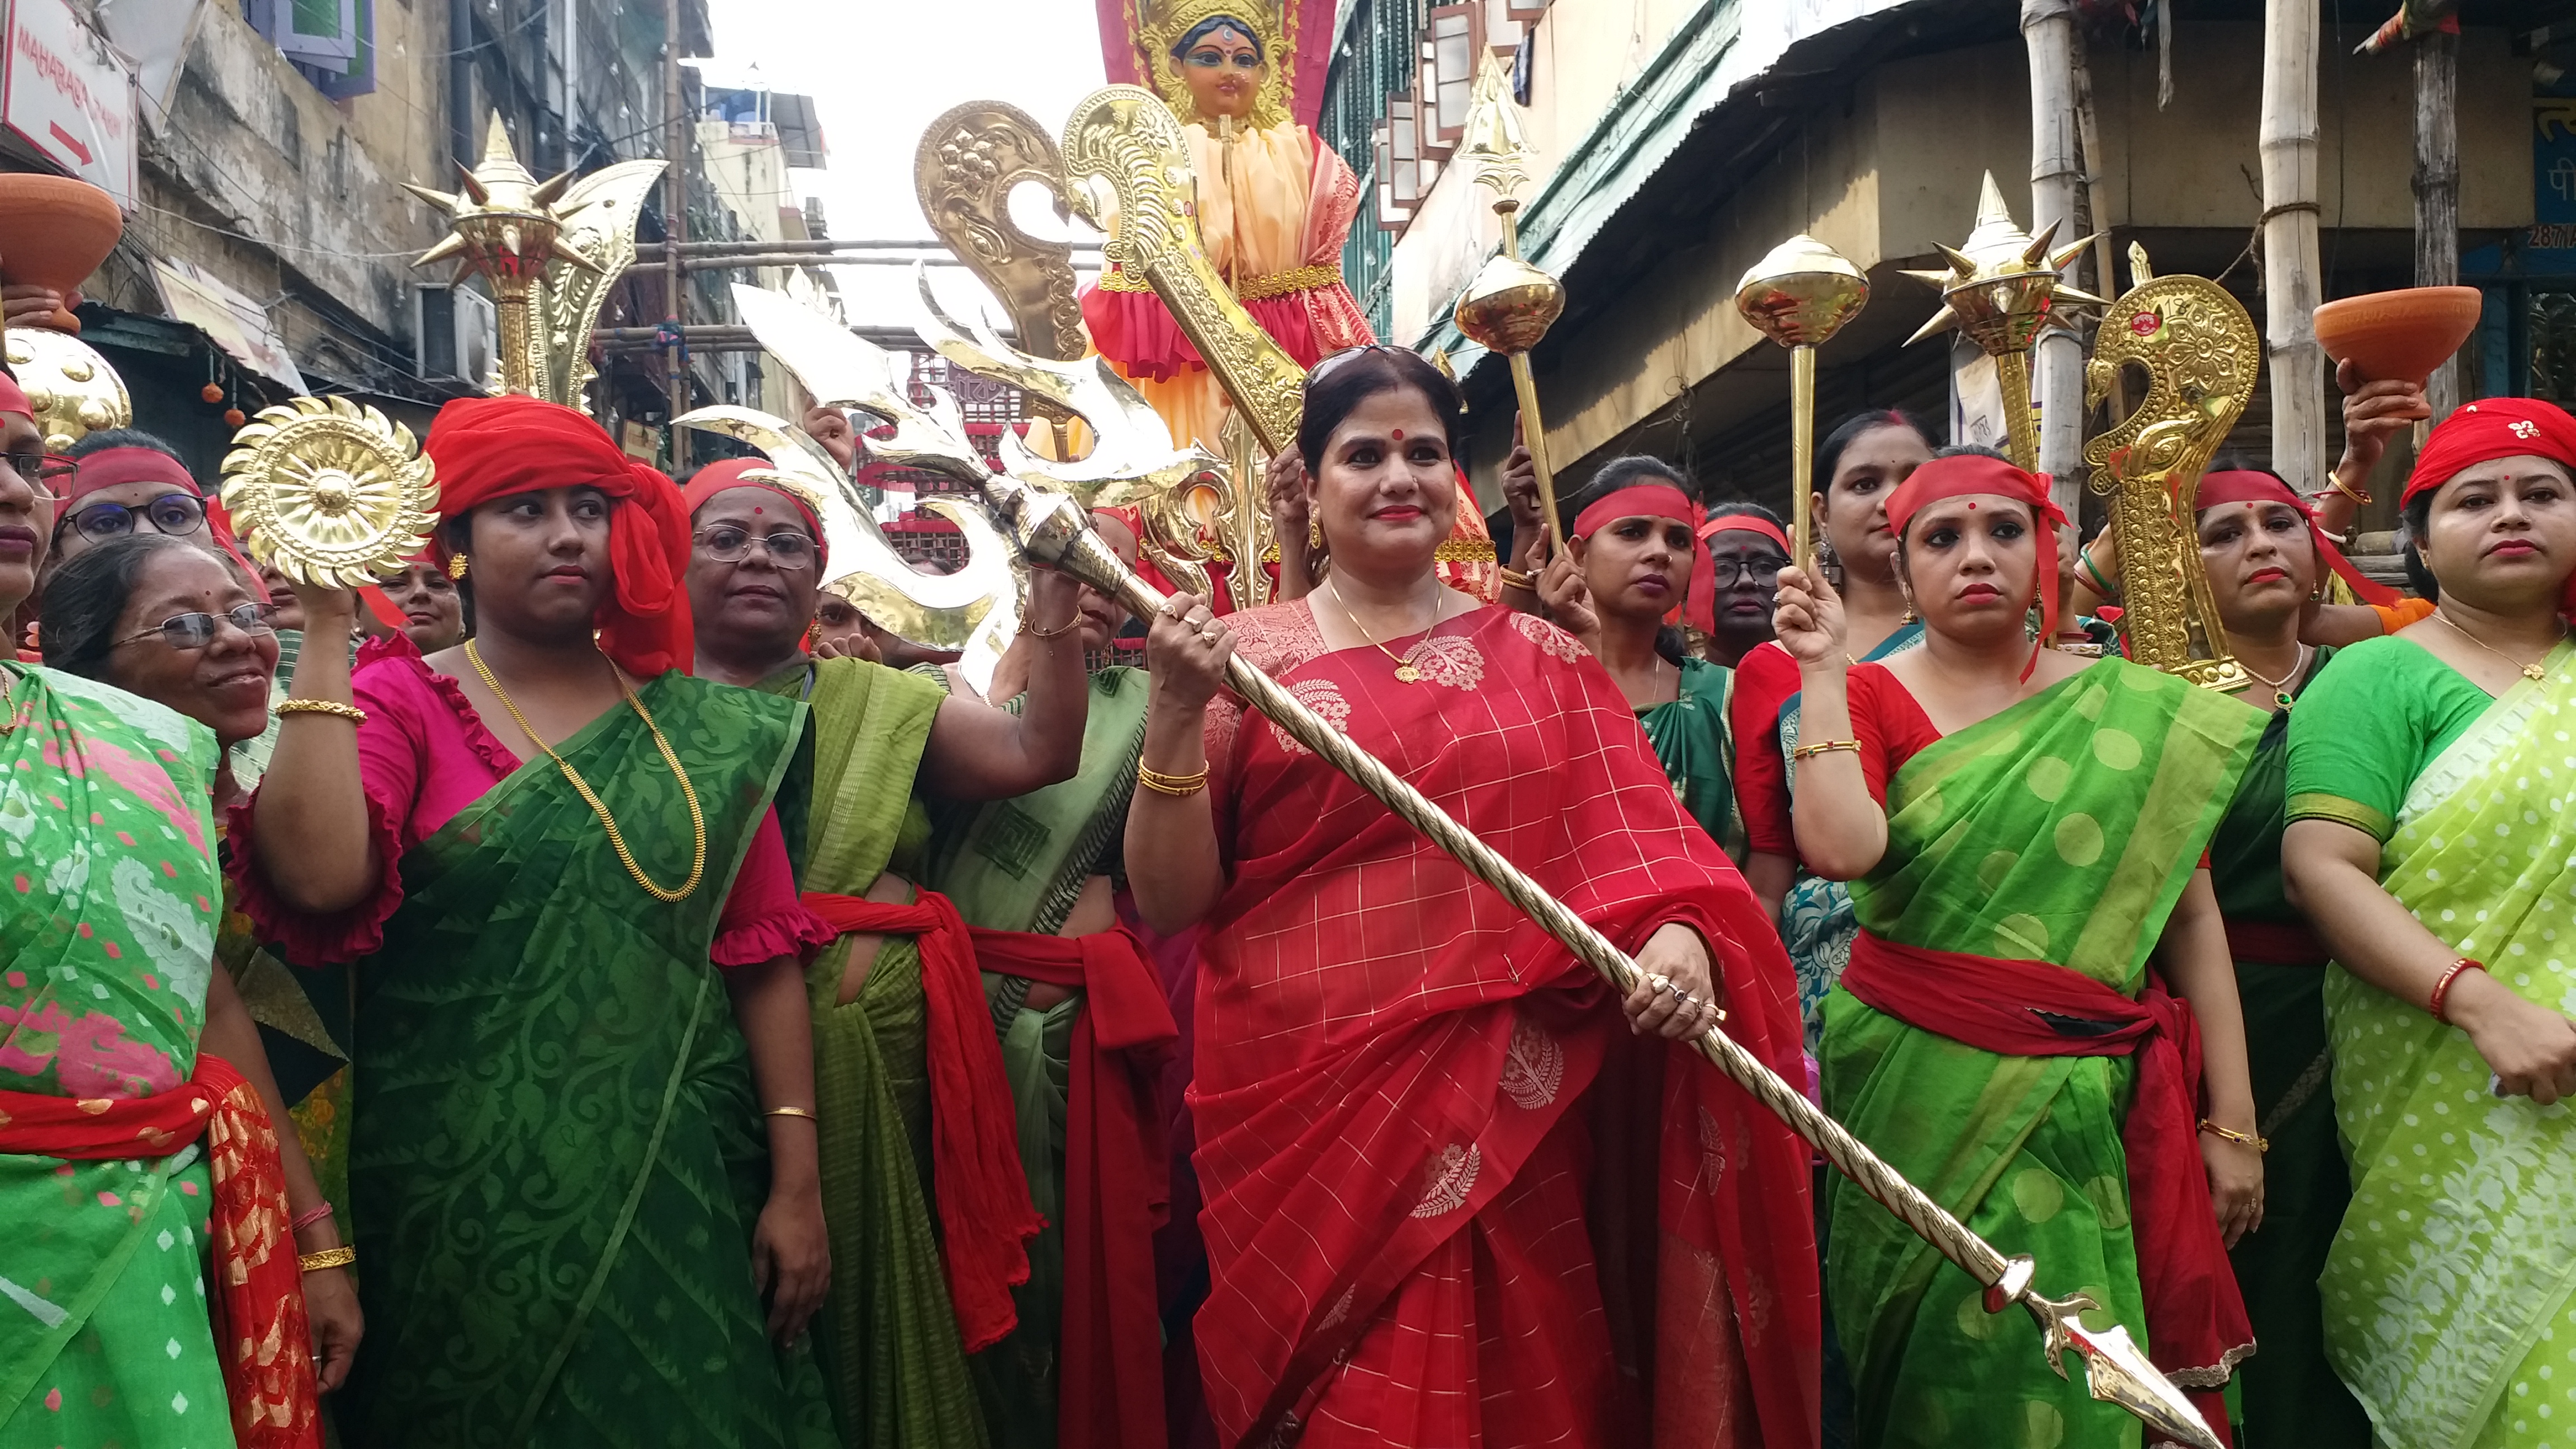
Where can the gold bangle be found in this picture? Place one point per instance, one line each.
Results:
(2229, 1134)
(1058, 632)
(1173, 785)
(1820, 747)
(1515, 579)
(327, 1258)
(805, 1112)
(2335, 484)
(349, 712)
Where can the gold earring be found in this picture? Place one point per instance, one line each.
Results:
(456, 568)
(1314, 533)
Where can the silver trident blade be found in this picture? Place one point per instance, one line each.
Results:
(842, 369)
(2116, 1371)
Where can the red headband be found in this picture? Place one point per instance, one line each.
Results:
(2491, 428)
(13, 398)
(1965, 474)
(112, 467)
(494, 447)
(1646, 500)
(727, 473)
(1701, 607)
(2246, 485)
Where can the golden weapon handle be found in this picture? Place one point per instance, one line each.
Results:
(1266, 384)
(1051, 526)
(1802, 458)
(1534, 438)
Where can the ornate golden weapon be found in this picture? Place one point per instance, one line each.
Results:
(2002, 290)
(512, 229)
(1054, 528)
(2201, 355)
(329, 493)
(1509, 304)
(968, 163)
(1800, 296)
(73, 389)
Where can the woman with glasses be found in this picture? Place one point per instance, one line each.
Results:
(923, 1195)
(128, 481)
(583, 1172)
(134, 1127)
(1632, 557)
(1454, 1187)
(2431, 835)
(1731, 602)
(173, 622)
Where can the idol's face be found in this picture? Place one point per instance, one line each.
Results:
(1223, 71)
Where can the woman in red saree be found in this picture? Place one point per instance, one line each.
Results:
(1450, 1198)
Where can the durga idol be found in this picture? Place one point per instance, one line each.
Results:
(1274, 207)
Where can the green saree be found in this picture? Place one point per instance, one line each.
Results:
(106, 836)
(2448, 1291)
(888, 1333)
(2291, 1396)
(1692, 738)
(2061, 830)
(1020, 865)
(560, 1159)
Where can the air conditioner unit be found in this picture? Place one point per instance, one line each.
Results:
(456, 333)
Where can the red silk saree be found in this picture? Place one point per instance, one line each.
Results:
(1449, 1198)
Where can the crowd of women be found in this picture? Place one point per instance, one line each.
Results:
(609, 1006)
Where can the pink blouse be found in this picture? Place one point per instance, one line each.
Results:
(424, 755)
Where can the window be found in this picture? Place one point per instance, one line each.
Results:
(333, 42)
(1452, 49)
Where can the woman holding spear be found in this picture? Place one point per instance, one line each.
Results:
(1412, 1105)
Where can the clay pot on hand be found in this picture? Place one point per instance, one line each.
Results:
(54, 231)
(2399, 336)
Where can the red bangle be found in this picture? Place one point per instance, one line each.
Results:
(2442, 988)
(308, 1217)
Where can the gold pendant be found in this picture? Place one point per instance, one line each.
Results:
(2534, 673)
(1405, 673)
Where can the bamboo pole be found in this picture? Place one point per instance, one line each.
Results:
(2288, 145)
(2048, 30)
(2437, 189)
(675, 229)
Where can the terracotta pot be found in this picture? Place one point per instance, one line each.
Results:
(2399, 336)
(54, 231)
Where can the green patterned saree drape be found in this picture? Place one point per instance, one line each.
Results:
(559, 1158)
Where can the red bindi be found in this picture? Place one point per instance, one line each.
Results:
(1399, 435)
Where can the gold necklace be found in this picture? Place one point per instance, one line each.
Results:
(2280, 687)
(1405, 673)
(2531, 671)
(616, 841)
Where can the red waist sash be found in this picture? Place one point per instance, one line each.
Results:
(2196, 1324)
(1117, 1181)
(256, 1299)
(985, 1216)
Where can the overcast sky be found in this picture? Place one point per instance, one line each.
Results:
(879, 72)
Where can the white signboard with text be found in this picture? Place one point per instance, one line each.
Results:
(64, 93)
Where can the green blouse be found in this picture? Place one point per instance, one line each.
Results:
(2368, 726)
(1692, 738)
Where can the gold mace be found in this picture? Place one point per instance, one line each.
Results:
(2002, 290)
(1510, 304)
(1800, 296)
(503, 223)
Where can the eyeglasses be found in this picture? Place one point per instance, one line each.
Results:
(1761, 571)
(43, 471)
(196, 631)
(787, 549)
(171, 513)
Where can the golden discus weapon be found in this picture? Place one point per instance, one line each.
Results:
(329, 493)
(1053, 528)
(1800, 296)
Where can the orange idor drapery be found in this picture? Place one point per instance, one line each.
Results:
(1450, 1198)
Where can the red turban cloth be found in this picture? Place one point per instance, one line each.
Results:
(13, 398)
(2491, 428)
(2247, 485)
(1963, 474)
(1701, 609)
(726, 473)
(495, 447)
